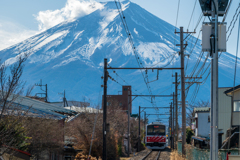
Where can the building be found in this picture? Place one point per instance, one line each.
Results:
(233, 117)
(36, 111)
(84, 109)
(224, 112)
(71, 103)
(201, 127)
(234, 95)
(123, 101)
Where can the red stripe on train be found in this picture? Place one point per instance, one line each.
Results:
(156, 139)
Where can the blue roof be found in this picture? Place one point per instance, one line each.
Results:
(39, 108)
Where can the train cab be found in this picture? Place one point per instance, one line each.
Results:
(156, 136)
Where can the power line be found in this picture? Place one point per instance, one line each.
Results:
(126, 83)
(114, 80)
(235, 15)
(192, 14)
(123, 19)
(196, 40)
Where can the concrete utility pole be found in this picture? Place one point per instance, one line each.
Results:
(105, 110)
(173, 128)
(183, 93)
(176, 108)
(128, 129)
(182, 48)
(214, 86)
(145, 121)
(139, 134)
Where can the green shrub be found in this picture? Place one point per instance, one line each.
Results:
(189, 134)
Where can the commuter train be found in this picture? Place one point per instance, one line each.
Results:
(156, 136)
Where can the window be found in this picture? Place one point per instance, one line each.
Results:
(155, 130)
(236, 106)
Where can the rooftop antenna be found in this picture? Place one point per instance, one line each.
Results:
(41, 88)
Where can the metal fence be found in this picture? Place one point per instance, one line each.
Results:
(203, 154)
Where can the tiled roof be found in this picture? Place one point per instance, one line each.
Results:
(232, 89)
(202, 109)
(39, 108)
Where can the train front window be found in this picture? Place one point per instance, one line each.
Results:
(155, 130)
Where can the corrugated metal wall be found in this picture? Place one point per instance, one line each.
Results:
(224, 111)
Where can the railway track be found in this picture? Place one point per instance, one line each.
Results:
(152, 155)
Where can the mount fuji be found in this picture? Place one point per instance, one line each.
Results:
(69, 56)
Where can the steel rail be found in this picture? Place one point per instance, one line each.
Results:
(158, 156)
(147, 155)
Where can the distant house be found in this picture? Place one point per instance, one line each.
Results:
(84, 109)
(39, 109)
(201, 126)
(123, 100)
(71, 103)
(228, 116)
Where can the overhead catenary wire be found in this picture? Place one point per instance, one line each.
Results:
(233, 21)
(229, 30)
(175, 34)
(130, 38)
(227, 9)
(114, 80)
(127, 84)
(192, 14)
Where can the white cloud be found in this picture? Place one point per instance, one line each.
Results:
(135, 31)
(12, 33)
(73, 9)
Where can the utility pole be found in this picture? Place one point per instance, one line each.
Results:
(176, 108)
(64, 98)
(182, 48)
(144, 121)
(171, 127)
(46, 90)
(214, 86)
(139, 136)
(105, 111)
(183, 94)
(128, 129)
(173, 120)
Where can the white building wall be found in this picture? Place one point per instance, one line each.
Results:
(224, 111)
(203, 124)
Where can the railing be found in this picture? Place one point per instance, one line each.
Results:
(230, 139)
(194, 153)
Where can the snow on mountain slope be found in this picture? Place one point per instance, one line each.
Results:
(70, 55)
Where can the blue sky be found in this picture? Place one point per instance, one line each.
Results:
(21, 19)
